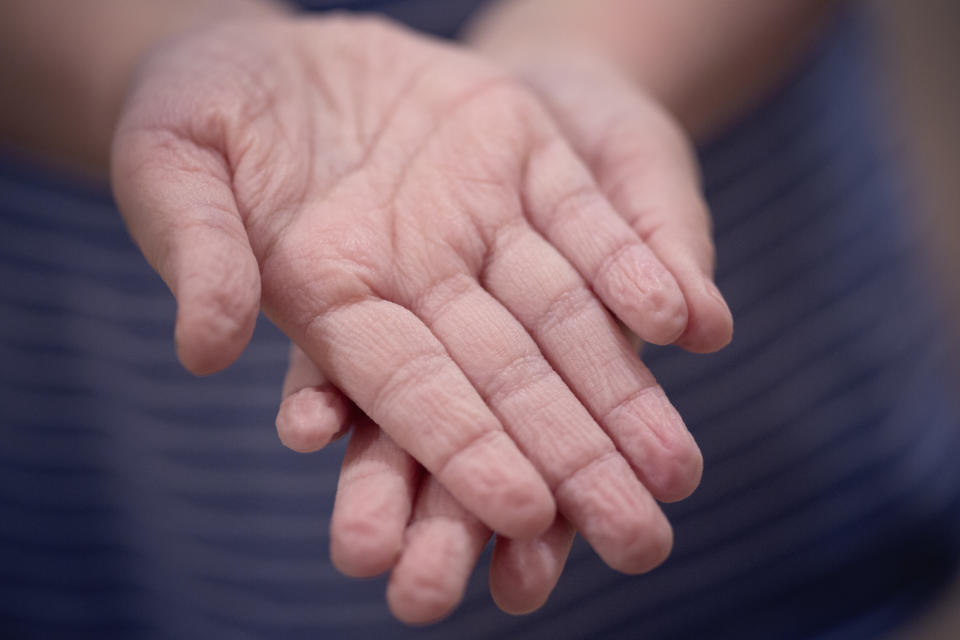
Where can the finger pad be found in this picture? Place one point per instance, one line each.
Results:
(522, 574)
(310, 418)
(431, 575)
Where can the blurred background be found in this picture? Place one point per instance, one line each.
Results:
(921, 44)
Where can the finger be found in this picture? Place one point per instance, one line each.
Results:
(644, 164)
(395, 370)
(441, 547)
(594, 486)
(649, 173)
(313, 412)
(374, 500)
(566, 206)
(523, 573)
(178, 204)
(583, 343)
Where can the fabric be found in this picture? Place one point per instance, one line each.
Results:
(138, 501)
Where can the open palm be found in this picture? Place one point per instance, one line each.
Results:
(425, 232)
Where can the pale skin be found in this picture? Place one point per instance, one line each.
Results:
(447, 238)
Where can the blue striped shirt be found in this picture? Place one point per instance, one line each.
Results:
(138, 501)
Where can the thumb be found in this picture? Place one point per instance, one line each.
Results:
(178, 203)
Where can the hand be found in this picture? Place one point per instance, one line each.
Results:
(643, 163)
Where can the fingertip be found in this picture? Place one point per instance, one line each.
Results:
(667, 319)
(646, 297)
(529, 511)
(373, 503)
(711, 322)
(661, 451)
(645, 550)
(521, 510)
(362, 561)
(179, 205)
(523, 574)
(311, 418)
(423, 594)
(425, 605)
(216, 313)
(617, 515)
(362, 545)
(680, 472)
(517, 598)
(441, 549)
(493, 479)
(207, 343)
(517, 603)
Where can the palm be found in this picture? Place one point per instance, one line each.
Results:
(403, 182)
(424, 233)
(416, 195)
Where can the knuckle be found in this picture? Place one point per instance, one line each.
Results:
(498, 487)
(631, 405)
(578, 479)
(521, 373)
(615, 267)
(442, 294)
(567, 305)
(576, 208)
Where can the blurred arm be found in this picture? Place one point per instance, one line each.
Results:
(705, 60)
(65, 66)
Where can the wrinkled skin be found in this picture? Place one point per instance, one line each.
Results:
(441, 239)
